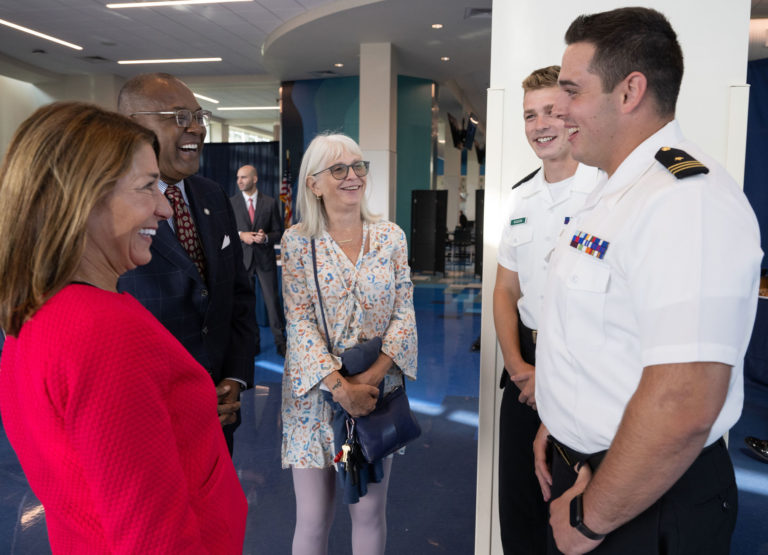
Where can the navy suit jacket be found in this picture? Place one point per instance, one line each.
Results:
(266, 217)
(214, 320)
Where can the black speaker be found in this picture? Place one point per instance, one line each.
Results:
(428, 213)
(479, 223)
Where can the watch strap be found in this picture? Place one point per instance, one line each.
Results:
(577, 518)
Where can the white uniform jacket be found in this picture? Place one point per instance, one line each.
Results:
(653, 270)
(531, 227)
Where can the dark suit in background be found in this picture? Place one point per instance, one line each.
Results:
(214, 319)
(259, 258)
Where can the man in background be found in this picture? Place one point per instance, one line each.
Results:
(260, 227)
(540, 203)
(195, 283)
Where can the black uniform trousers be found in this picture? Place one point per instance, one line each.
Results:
(523, 514)
(696, 516)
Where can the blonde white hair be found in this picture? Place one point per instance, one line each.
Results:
(319, 155)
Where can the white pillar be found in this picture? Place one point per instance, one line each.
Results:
(451, 182)
(378, 119)
(529, 35)
(473, 184)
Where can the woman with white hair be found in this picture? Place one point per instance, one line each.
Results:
(361, 265)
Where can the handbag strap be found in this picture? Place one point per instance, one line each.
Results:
(320, 296)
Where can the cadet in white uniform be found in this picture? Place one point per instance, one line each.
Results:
(538, 207)
(648, 309)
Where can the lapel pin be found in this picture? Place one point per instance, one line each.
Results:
(206, 212)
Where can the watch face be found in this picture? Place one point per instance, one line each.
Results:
(576, 511)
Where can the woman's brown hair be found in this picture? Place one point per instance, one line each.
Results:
(61, 161)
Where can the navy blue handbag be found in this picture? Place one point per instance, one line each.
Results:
(391, 425)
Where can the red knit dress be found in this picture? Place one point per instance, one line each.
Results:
(116, 428)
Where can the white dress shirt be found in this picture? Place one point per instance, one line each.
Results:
(676, 282)
(533, 223)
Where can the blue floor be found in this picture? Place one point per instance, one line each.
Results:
(431, 505)
(432, 492)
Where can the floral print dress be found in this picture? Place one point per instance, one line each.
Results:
(368, 298)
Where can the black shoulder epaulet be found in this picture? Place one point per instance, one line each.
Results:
(526, 178)
(680, 163)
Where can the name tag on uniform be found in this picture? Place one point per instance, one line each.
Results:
(517, 221)
(589, 244)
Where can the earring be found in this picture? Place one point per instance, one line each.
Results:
(319, 197)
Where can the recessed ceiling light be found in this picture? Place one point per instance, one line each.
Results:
(437, 25)
(155, 4)
(201, 97)
(445, 58)
(338, 64)
(170, 61)
(250, 108)
(39, 34)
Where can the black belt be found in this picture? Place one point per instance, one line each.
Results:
(571, 456)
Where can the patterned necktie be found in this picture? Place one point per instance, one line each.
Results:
(251, 210)
(185, 228)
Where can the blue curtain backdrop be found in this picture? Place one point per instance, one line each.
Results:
(220, 162)
(756, 167)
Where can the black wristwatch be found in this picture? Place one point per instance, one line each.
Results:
(577, 518)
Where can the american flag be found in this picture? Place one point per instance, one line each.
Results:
(285, 191)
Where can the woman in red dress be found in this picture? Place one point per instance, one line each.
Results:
(100, 402)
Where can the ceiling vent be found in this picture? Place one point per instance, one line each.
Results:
(323, 73)
(96, 60)
(470, 13)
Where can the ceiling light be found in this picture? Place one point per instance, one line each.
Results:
(445, 58)
(201, 97)
(38, 34)
(250, 108)
(437, 25)
(338, 64)
(168, 3)
(170, 61)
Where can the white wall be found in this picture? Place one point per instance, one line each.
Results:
(527, 35)
(19, 100)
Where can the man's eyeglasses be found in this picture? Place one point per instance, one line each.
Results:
(183, 117)
(341, 171)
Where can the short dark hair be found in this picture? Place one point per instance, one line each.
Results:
(135, 87)
(541, 78)
(633, 39)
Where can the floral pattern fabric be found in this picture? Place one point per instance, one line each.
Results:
(371, 297)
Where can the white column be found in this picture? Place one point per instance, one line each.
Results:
(473, 184)
(529, 35)
(378, 119)
(450, 182)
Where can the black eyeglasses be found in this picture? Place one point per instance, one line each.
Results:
(341, 171)
(183, 117)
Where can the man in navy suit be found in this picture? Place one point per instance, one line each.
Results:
(260, 227)
(195, 284)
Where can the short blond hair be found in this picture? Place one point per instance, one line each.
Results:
(61, 162)
(542, 79)
(319, 153)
